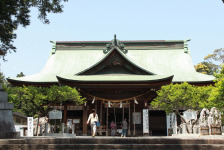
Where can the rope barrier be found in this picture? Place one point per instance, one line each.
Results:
(111, 100)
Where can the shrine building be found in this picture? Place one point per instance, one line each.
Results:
(118, 78)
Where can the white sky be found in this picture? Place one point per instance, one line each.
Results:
(202, 21)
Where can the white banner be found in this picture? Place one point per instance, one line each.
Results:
(29, 126)
(145, 121)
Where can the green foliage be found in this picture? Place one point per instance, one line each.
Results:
(16, 12)
(3, 81)
(220, 75)
(58, 94)
(20, 75)
(217, 95)
(212, 63)
(2, 78)
(31, 100)
(174, 97)
(202, 97)
(206, 68)
(200, 67)
(218, 56)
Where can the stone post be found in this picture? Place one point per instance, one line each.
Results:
(52, 131)
(63, 128)
(41, 131)
(46, 128)
(7, 129)
(195, 129)
(73, 129)
(67, 129)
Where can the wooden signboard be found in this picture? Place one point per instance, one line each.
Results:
(55, 114)
(136, 118)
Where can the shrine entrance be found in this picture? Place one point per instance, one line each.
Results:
(117, 116)
(157, 123)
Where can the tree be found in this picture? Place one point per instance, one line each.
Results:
(212, 62)
(16, 12)
(219, 75)
(2, 78)
(217, 95)
(60, 94)
(20, 75)
(3, 81)
(206, 68)
(176, 97)
(32, 100)
(216, 58)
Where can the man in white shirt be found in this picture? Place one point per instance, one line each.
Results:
(93, 118)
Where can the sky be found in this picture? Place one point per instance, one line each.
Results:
(202, 21)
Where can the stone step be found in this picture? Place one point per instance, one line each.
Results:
(167, 143)
(111, 141)
(111, 146)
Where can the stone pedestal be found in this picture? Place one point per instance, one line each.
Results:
(7, 128)
(184, 128)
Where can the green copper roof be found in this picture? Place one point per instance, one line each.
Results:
(168, 58)
(116, 77)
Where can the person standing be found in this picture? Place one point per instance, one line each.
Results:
(113, 128)
(93, 118)
(124, 127)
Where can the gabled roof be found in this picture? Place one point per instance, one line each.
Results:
(108, 60)
(163, 58)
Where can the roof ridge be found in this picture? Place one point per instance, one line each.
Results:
(131, 41)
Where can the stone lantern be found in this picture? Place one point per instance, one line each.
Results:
(7, 128)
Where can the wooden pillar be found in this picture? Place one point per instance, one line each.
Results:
(103, 114)
(115, 116)
(129, 129)
(123, 114)
(84, 120)
(96, 107)
(134, 121)
(101, 109)
(65, 114)
(107, 121)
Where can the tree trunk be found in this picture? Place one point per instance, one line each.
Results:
(189, 124)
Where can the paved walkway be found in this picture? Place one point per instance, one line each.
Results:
(179, 136)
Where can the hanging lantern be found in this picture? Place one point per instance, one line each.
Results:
(108, 103)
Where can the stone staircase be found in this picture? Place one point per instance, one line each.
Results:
(159, 143)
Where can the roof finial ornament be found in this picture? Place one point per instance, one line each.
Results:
(115, 40)
(115, 44)
(53, 47)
